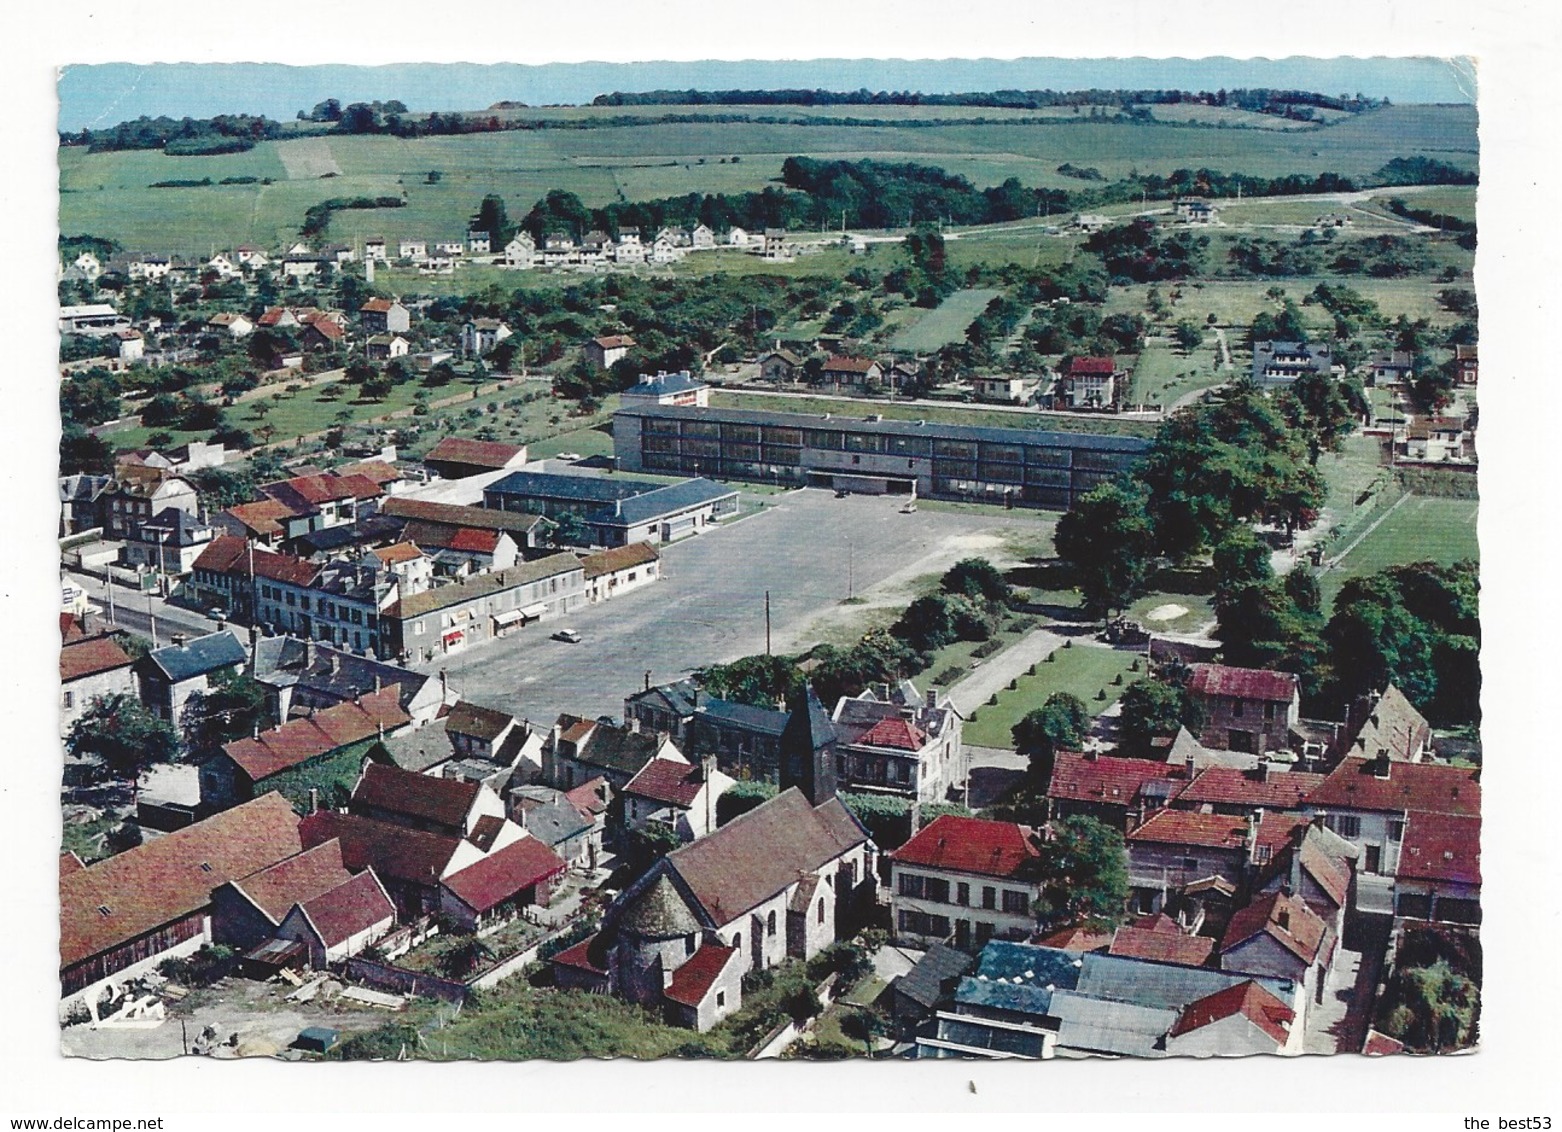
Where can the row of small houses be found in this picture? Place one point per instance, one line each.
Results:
(302, 259)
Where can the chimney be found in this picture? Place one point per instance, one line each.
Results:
(444, 683)
(932, 699)
(1320, 819)
(309, 653)
(377, 682)
(336, 663)
(1255, 820)
(1188, 765)
(1298, 836)
(634, 725)
(1261, 772)
(1091, 754)
(1382, 766)
(647, 679)
(1283, 919)
(314, 799)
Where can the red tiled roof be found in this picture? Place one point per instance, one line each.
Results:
(273, 316)
(580, 956)
(1248, 999)
(377, 305)
(327, 328)
(668, 781)
(1303, 932)
(1430, 787)
(443, 536)
(619, 558)
(397, 553)
(261, 516)
(89, 657)
(1162, 947)
(167, 878)
(479, 453)
(376, 471)
(897, 734)
(229, 554)
(1076, 939)
(1441, 847)
(842, 364)
(1220, 785)
(588, 797)
(1104, 779)
(299, 740)
(971, 845)
(1331, 873)
(1381, 1045)
(356, 905)
(455, 515)
(499, 877)
(70, 863)
(614, 341)
(443, 801)
(693, 981)
(303, 876)
(1077, 366)
(1242, 683)
(71, 628)
(326, 487)
(1185, 827)
(394, 851)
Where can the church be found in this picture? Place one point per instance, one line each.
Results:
(782, 881)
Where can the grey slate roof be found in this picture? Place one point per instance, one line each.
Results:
(926, 984)
(284, 661)
(200, 657)
(553, 821)
(730, 713)
(808, 725)
(1017, 998)
(1161, 985)
(1035, 437)
(616, 501)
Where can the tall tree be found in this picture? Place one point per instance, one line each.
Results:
(1059, 724)
(1108, 543)
(1152, 709)
(1084, 867)
(123, 738)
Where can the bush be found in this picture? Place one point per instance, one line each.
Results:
(211, 963)
(987, 648)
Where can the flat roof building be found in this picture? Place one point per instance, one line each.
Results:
(618, 511)
(1026, 467)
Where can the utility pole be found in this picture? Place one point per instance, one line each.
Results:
(767, 622)
(151, 618)
(850, 578)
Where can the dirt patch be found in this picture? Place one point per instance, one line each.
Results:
(308, 158)
(1168, 612)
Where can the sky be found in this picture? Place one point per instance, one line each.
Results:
(101, 95)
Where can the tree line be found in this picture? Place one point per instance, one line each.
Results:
(1258, 99)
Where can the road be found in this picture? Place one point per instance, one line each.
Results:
(136, 611)
(709, 606)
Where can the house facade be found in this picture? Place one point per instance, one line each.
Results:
(965, 881)
(1246, 709)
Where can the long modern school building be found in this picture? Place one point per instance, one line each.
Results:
(1029, 467)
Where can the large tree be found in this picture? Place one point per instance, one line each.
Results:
(1108, 542)
(234, 706)
(1061, 723)
(123, 738)
(1084, 867)
(1153, 709)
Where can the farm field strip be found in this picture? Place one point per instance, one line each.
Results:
(945, 324)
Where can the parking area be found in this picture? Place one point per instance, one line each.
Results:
(808, 550)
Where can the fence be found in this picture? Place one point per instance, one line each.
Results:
(399, 980)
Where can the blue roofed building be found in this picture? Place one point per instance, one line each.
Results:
(667, 389)
(169, 676)
(745, 739)
(617, 511)
(1029, 467)
(1042, 1002)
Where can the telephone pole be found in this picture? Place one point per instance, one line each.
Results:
(767, 622)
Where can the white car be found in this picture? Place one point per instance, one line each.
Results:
(568, 636)
(570, 456)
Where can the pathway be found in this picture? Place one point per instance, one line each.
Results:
(995, 673)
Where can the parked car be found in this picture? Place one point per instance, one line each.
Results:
(568, 636)
(571, 456)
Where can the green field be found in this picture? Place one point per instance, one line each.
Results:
(981, 418)
(943, 325)
(107, 194)
(1420, 529)
(1234, 303)
(1083, 671)
(1164, 373)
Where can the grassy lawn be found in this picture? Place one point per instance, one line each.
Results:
(107, 194)
(892, 410)
(945, 324)
(1083, 671)
(85, 839)
(1199, 611)
(1422, 529)
(1164, 373)
(587, 442)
